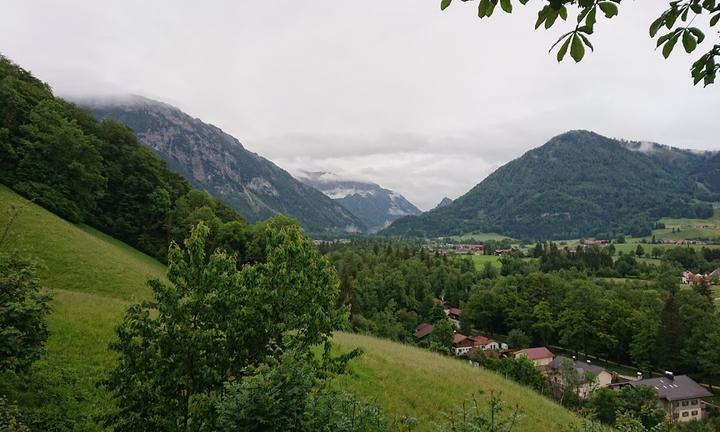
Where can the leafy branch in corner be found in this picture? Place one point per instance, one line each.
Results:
(677, 22)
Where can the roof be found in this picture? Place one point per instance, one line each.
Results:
(482, 340)
(423, 330)
(581, 367)
(457, 338)
(679, 388)
(536, 353)
(455, 311)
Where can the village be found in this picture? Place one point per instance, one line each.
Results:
(681, 397)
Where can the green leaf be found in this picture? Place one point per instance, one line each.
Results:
(552, 16)
(670, 44)
(483, 7)
(563, 13)
(587, 41)
(689, 42)
(714, 20)
(577, 49)
(655, 26)
(542, 15)
(609, 8)
(563, 50)
(444, 4)
(491, 7)
(699, 35)
(592, 17)
(506, 6)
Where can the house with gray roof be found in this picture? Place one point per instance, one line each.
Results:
(680, 396)
(584, 377)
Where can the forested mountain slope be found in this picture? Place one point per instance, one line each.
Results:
(578, 184)
(217, 163)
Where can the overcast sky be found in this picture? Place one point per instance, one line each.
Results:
(396, 92)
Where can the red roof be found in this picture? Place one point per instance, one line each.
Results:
(536, 353)
(482, 340)
(455, 311)
(457, 338)
(423, 330)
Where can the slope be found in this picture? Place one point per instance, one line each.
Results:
(578, 184)
(375, 206)
(94, 278)
(219, 164)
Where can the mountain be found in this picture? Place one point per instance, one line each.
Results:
(579, 184)
(218, 163)
(443, 202)
(375, 206)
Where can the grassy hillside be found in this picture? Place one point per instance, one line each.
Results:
(406, 380)
(94, 278)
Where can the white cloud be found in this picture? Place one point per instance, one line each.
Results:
(420, 101)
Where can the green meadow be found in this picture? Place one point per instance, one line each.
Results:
(94, 278)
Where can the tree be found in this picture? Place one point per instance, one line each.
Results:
(576, 40)
(518, 339)
(23, 309)
(177, 351)
(656, 252)
(640, 403)
(604, 404)
(543, 324)
(708, 356)
(639, 251)
(441, 338)
(489, 271)
(59, 166)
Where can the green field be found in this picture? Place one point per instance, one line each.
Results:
(94, 278)
(690, 228)
(480, 237)
(480, 260)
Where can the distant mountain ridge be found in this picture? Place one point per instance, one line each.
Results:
(579, 184)
(443, 202)
(216, 162)
(375, 206)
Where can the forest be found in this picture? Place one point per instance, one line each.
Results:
(572, 300)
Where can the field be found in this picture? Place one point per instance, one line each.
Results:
(480, 260)
(690, 228)
(480, 237)
(94, 278)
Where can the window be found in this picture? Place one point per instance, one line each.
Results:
(694, 402)
(685, 414)
(694, 413)
(685, 403)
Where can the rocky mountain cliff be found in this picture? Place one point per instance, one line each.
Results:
(375, 206)
(216, 162)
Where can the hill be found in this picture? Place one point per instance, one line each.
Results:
(213, 161)
(443, 202)
(375, 206)
(94, 278)
(578, 184)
